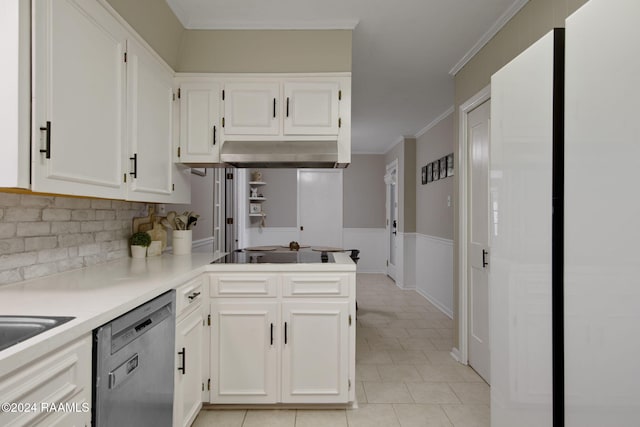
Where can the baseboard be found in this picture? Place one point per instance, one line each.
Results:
(455, 353)
(436, 303)
(368, 271)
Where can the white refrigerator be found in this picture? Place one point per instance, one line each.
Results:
(565, 222)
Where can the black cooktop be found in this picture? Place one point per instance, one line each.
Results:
(280, 257)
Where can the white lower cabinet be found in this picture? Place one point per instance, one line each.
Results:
(315, 352)
(190, 351)
(243, 351)
(57, 386)
(188, 375)
(275, 347)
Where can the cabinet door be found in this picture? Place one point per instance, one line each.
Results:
(315, 352)
(252, 109)
(311, 108)
(200, 122)
(62, 377)
(188, 374)
(149, 126)
(243, 352)
(79, 90)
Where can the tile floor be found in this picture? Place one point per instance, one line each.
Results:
(405, 375)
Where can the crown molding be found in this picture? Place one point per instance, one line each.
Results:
(211, 24)
(435, 121)
(497, 26)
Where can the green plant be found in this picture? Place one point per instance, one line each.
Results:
(140, 238)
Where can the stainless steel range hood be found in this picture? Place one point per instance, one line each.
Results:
(281, 154)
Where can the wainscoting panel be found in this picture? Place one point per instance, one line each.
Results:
(434, 271)
(372, 244)
(408, 261)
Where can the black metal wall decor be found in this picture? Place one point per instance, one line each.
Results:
(438, 169)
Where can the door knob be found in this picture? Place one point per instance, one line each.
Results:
(301, 228)
(484, 258)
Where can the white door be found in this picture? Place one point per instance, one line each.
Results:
(391, 179)
(149, 126)
(478, 245)
(252, 108)
(200, 122)
(188, 373)
(79, 100)
(311, 108)
(315, 352)
(320, 207)
(243, 352)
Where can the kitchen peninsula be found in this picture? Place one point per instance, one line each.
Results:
(270, 333)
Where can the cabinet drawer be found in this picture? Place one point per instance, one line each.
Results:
(309, 284)
(189, 295)
(63, 376)
(241, 285)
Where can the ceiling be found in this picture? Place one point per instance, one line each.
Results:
(403, 50)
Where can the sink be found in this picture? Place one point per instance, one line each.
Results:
(14, 329)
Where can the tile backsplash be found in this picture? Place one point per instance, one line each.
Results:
(43, 235)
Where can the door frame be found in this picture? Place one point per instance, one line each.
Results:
(462, 353)
(393, 165)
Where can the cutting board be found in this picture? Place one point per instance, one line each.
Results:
(261, 248)
(143, 223)
(158, 233)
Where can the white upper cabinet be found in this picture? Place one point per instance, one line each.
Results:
(252, 108)
(103, 117)
(200, 122)
(78, 100)
(15, 86)
(311, 108)
(149, 126)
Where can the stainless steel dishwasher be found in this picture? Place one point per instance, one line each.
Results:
(133, 366)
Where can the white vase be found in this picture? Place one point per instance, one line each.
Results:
(138, 251)
(182, 242)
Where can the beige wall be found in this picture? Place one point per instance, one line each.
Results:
(433, 216)
(235, 51)
(409, 185)
(265, 51)
(281, 192)
(533, 21)
(364, 192)
(156, 23)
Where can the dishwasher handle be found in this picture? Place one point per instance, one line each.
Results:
(122, 372)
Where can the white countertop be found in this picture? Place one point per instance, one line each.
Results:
(97, 294)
